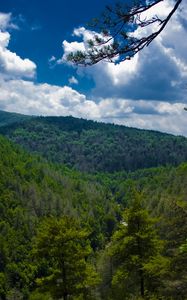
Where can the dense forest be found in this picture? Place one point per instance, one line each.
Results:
(89, 146)
(7, 118)
(115, 231)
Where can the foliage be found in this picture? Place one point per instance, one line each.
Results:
(7, 118)
(136, 250)
(113, 37)
(36, 295)
(36, 195)
(31, 189)
(95, 147)
(164, 194)
(65, 247)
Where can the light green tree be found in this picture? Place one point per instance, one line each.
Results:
(62, 246)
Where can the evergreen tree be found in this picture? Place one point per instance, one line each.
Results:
(136, 252)
(63, 247)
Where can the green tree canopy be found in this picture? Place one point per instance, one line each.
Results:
(63, 246)
(136, 251)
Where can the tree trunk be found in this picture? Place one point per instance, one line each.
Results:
(65, 292)
(142, 291)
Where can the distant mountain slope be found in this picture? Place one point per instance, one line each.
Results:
(7, 118)
(97, 147)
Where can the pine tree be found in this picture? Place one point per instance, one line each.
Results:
(136, 251)
(63, 247)
(114, 38)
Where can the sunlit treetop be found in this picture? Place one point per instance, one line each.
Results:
(115, 27)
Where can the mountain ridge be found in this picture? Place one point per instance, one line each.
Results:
(8, 118)
(90, 146)
(87, 123)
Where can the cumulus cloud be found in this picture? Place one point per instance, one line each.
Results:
(11, 64)
(156, 73)
(44, 99)
(30, 98)
(154, 115)
(70, 47)
(84, 34)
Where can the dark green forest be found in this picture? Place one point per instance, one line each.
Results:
(89, 146)
(91, 211)
(7, 118)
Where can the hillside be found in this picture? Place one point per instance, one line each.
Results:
(41, 188)
(96, 147)
(32, 189)
(7, 118)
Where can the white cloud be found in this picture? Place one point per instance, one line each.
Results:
(4, 39)
(155, 73)
(73, 80)
(11, 64)
(5, 21)
(70, 47)
(29, 98)
(161, 10)
(118, 74)
(44, 99)
(52, 59)
(172, 38)
(86, 35)
(154, 115)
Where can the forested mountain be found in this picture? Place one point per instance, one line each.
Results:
(96, 147)
(7, 118)
(67, 234)
(35, 194)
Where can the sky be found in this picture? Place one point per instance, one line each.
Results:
(147, 92)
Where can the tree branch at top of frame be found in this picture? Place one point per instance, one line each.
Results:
(116, 26)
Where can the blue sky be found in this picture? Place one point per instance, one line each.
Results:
(43, 25)
(146, 92)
